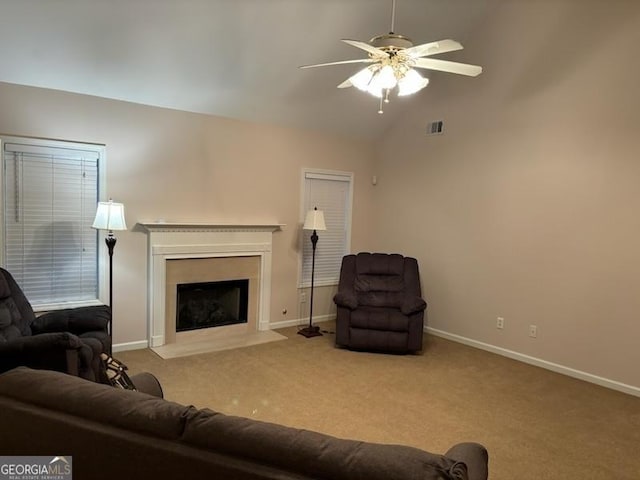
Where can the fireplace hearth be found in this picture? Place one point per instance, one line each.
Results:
(211, 304)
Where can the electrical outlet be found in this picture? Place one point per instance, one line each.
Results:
(533, 331)
(303, 297)
(500, 323)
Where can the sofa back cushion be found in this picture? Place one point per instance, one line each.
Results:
(314, 454)
(104, 404)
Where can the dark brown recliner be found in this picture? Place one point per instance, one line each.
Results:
(379, 303)
(69, 341)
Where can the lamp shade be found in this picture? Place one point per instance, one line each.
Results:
(314, 220)
(411, 83)
(110, 216)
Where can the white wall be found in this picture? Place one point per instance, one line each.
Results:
(527, 206)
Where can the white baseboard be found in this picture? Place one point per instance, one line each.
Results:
(554, 367)
(123, 347)
(301, 322)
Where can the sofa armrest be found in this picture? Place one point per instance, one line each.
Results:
(474, 456)
(146, 382)
(412, 304)
(346, 300)
(51, 351)
(75, 320)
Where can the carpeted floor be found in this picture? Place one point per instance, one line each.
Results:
(536, 424)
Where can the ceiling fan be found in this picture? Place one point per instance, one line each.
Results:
(392, 61)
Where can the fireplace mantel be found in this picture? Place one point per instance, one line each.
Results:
(199, 227)
(180, 240)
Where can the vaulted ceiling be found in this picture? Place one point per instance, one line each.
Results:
(232, 58)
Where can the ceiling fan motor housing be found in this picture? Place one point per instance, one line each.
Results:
(391, 41)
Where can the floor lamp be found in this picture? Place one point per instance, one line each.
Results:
(314, 221)
(110, 216)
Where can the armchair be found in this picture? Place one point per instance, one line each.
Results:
(69, 341)
(379, 303)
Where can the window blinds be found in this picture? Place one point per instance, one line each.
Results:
(50, 197)
(331, 193)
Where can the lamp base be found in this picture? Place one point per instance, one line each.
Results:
(310, 332)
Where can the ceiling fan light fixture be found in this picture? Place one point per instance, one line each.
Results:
(386, 78)
(375, 90)
(392, 62)
(362, 79)
(412, 82)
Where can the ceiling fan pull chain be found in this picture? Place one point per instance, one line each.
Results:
(380, 111)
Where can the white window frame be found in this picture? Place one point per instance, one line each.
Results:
(101, 251)
(306, 204)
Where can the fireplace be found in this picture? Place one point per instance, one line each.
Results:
(183, 253)
(200, 271)
(211, 304)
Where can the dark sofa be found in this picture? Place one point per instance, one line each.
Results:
(113, 433)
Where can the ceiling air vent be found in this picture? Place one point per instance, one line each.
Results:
(435, 128)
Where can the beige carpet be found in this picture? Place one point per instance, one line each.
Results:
(536, 424)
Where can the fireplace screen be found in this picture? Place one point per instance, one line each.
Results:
(211, 304)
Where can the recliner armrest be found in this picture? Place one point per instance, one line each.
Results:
(55, 351)
(346, 300)
(37, 343)
(412, 305)
(75, 320)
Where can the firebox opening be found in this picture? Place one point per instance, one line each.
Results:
(211, 304)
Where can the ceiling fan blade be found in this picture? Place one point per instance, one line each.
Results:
(347, 83)
(433, 48)
(446, 66)
(366, 47)
(360, 60)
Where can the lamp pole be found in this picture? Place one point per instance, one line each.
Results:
(314, 221)
(314, 241)
(110, 240)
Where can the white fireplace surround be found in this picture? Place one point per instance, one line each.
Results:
(168, 241)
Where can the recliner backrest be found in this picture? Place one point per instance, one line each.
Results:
(16, 314)
(379, 279)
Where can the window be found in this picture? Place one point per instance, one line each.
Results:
(332, 193)
(49, 196)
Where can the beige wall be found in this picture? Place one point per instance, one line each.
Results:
(176, 166)
(527, 206)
